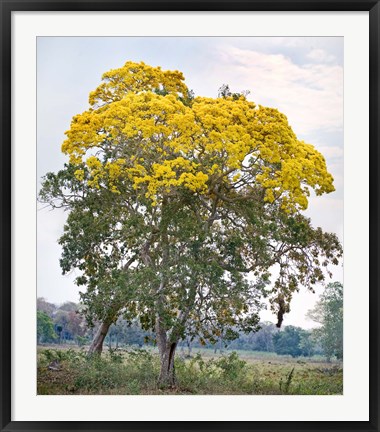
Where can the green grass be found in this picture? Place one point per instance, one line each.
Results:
(135, 371)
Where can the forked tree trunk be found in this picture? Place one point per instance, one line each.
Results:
(97, 343)
(167, 376)
(166, 349)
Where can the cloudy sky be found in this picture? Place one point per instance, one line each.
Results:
(302, 77)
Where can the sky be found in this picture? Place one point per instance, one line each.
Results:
(301, 76)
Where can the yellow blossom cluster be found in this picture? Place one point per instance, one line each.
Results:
(134, 78)
(147, 137)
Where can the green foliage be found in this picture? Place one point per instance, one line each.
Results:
(144, 367)
(227, 373)
(128, 332)
(97, 374)
(285, 386)
(81, 340)
(308, 345)
(67, 320)
(115, 355)
(131, 371)
(293, 341)
(69, 356)
(329, 313)
(232, 366)
(45, 328)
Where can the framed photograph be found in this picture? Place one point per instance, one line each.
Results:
(189, 215)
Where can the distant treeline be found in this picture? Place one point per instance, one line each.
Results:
(65, 325)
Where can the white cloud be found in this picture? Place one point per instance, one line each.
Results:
(331, 152)
(310, 95)
(320, 56)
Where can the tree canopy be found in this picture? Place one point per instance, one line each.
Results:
(293, 341)
(181, 207)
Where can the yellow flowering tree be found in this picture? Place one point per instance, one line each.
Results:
(181, 206)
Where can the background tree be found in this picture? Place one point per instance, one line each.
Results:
(128, 333)
(180, 208)
(45, 328)
(263, 339)
(45, 306)
(61, 323)
(68, 307)
(76, 325)
(328, 312)
(288, 340)
(308, 345)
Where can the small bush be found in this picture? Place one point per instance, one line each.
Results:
(220, 376)
(143, 367)
(232, 366)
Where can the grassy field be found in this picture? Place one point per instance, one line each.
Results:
(135, 371)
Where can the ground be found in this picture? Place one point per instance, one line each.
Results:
(135, 371)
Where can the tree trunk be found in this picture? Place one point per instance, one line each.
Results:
(97, 343)
(166, 348)
(167, 376)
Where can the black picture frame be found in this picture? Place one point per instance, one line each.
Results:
(7, 7)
